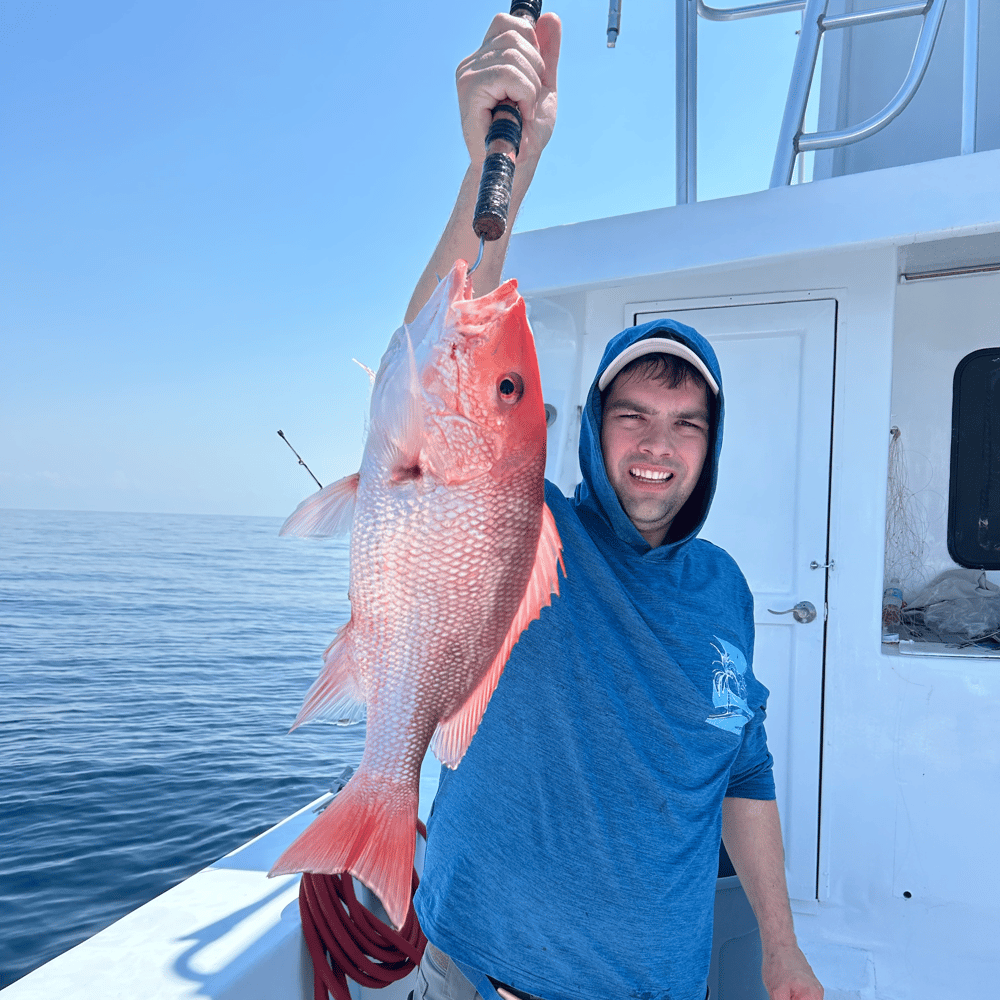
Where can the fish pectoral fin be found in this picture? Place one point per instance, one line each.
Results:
(544, 580)
(328, 512)
(337, 693)
(453, 735)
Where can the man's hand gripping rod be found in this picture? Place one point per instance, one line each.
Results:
(503, 143)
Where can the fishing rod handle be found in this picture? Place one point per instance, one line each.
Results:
(503, 143)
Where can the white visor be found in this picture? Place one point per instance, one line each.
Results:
(657, 345)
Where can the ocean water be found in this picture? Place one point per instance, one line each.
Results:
(150, 667)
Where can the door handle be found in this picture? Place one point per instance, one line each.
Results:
(804, 612)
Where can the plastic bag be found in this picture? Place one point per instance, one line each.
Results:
(961, 603)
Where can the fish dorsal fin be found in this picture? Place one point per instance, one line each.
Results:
(328, 512)
(371, 375)
(396, 432)
(337, 693)
(453, 735)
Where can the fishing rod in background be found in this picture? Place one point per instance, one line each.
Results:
(281, 434)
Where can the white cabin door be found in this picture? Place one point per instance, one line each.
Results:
(770, 513)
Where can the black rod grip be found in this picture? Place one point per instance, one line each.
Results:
(503, 143)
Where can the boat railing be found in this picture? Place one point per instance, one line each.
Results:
(751, 10)
(792, 139)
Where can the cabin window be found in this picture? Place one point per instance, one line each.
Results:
(974, 491)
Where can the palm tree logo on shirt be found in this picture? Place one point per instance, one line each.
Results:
(729, 688)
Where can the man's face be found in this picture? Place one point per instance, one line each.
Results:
(654, 440)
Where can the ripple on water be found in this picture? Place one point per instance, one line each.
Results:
(152, 667)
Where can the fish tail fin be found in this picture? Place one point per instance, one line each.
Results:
(368, 830)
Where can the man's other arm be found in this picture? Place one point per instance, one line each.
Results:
(515, 62)
(751, 832)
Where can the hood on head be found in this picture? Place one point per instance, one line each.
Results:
(595, 492)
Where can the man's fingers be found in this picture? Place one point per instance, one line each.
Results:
(514, 33)
(487, 86)
(506, 22)
(516, 64)
(515, 38)
(511, 42)
(489, 77)
(510, 48)
(493, 64)
(548, 32)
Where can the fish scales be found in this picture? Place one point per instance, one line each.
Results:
(453, 554)
(447, 582)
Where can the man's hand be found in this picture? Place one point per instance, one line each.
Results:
(516, 62)
(787, 975)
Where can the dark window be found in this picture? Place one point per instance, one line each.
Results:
(974, 495)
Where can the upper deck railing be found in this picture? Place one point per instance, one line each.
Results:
(792, 139)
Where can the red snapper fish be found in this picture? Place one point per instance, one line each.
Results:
(453, 553)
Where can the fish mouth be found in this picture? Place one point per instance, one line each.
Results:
(649, 475)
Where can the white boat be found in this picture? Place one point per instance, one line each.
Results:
(840, 308)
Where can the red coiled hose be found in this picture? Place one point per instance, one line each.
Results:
(346, 939)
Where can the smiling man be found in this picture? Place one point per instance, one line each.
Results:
(655, 430)
(573, 855)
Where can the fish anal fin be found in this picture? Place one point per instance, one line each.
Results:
(337, 694)
(328, 512)
(368, 830)
(453, 735)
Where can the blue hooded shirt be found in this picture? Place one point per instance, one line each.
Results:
(573, 854)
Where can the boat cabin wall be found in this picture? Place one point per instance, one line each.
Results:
(905, 745)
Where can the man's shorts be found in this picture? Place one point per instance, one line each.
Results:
(438, 978)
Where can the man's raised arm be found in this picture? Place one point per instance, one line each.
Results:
(515, 62)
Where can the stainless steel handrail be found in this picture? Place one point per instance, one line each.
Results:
(970, 76)
(753, 10)
(918, 66)
(791, 139)
(872, 16)
(686, 91)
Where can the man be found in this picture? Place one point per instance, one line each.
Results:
(573, 854)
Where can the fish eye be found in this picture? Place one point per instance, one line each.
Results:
(510, 387)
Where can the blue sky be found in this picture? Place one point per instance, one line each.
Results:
(210, 206)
